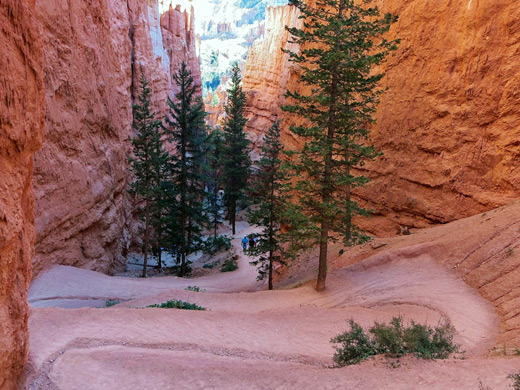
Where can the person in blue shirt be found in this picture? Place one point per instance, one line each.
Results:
(245, 241)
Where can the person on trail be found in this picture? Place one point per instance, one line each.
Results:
(252, 240)
(245, 241)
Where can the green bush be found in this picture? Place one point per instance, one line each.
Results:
(216, 244)
(111, 303)
(394, 340)
(193, 288)
(355, 346)
(175, 304)
(229, 265)
(208, 266)
(516, 380)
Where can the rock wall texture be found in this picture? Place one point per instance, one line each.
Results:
(21, 130)
(449, 124)
(267, 72)
(94, 53)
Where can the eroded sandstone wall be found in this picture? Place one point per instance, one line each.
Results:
(94, 53)
(267, 72)
(449, 125)
(21, 127)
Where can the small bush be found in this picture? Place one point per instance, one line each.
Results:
(208, 266)
(217, 244)
(193, 288)
(394, 340)
(111, 303)
(355, 346)
(175, 304)
(229, 265)
(516, 380)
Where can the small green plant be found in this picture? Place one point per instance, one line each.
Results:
(515, 376)
(193, 288)
(394, 340)
(517, 351)
(208, 266)
(229, 265)
(175, 304)
(111, 303)
(217, 244)
(509, 252)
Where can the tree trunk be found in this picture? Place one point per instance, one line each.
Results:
(232, 215)
(146, 239)
(270, 270)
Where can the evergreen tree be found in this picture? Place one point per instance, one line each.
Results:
(340, 42)
(215, 143)
(236, 147)
(269, 191)
(185, 127)
(149, 165)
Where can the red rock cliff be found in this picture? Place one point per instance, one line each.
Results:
(449, 126)
(21, 126)
(267, 71)
(94, 53)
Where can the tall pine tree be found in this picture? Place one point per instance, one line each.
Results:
(339, 44)
(269, 191)
(149, 165)
(236, 148)
(214, 179)
(185, 128)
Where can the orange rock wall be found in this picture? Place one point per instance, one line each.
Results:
(94, 53)
(267, 71)
(21, 129)
(449, 124)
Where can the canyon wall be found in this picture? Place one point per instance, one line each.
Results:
(21, 129)
(449, 125)
(267, 72)
(94, 54)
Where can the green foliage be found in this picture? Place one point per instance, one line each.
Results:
(394, 340)
(175, 304)
(186, 130)
(193, 288)
(229, 265)
(269, 189)
(111, 303)
(149, 164)
(214, 179)
(235, 153)
(339, 45)
(355, 346)
(515, 377)
(216, 244)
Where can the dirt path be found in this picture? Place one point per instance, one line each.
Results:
(250, 339)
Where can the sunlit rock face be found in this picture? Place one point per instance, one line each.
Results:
(267, 72)
(21, 129)
(449, 123)
(94, 54)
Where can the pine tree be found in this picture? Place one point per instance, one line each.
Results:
(185, 128)
(215, 143)
(236, 148)
(339, 44)
(269, 191)
(148, 163)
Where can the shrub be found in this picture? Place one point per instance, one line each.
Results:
(175, 304)
(355, 346)
(193, 288)
(516, 380)
(394, 340)
(216, 244)
(111, 303)
(208, 266)
(229, 265)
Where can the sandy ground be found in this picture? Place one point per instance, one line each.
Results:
(249, 338)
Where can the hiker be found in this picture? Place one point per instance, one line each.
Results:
(252, 240)
(245, 241)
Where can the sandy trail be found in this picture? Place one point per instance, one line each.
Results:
(252, 339)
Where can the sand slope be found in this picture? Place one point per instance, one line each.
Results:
(255, 339)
